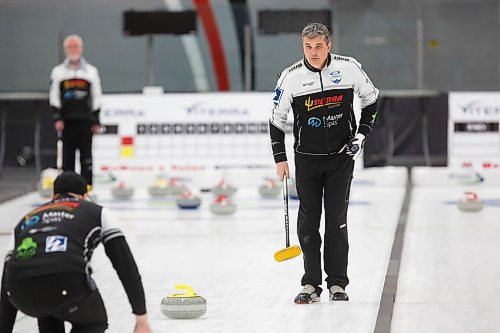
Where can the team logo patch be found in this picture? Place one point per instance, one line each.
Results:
(278, 92)
(56, 244)
(30, 222)
(69, 95)
(27, 249)
(314, 122)
(336, 77)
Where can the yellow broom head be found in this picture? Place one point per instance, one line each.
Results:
(287, 253)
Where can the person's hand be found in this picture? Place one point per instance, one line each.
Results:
(142, 324)
(355, 145)
(282, 170)
(95, 129)
(59, 125)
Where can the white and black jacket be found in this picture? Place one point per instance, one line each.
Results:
(75, 94)
(322, 104)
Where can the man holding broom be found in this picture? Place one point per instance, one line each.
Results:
(320, 89)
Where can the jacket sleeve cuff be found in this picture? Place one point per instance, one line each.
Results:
(56, 113)
(96, 115)
(280, 157)
(364, 129)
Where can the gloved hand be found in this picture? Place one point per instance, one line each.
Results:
(355, 145)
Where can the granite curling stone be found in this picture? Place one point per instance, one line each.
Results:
(122, 191)
(188, 305)
(223, 206)
(46, 183)
(162, 187)
(470, 202)
(270, 189)
(188, 201)
(223, 188)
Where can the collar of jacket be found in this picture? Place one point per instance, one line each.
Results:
(81, 63)
(313, 69)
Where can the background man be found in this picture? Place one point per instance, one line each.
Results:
(75, 96)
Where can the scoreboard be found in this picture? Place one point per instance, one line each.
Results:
(473, 130)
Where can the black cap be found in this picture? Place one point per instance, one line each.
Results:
(70, 182)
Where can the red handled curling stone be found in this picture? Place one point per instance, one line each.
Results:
(470, 202)
(188, 201)
(122, 191)
(223, 206)
(270, 189)
(223, 188)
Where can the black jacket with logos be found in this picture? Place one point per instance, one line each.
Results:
(322, 104)
(59, 237)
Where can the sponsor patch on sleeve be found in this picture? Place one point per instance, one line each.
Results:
(278, 92)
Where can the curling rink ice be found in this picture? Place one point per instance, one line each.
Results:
(448, 280)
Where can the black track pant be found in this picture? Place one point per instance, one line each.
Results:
(77, 135)
(54, 299)
(327, 180)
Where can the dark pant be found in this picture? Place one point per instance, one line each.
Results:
(54, 299)
(328, 180)
(77, 135)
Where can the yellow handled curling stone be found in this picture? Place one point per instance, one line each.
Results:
(188, 305)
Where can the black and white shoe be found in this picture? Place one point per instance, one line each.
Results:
(338, 294)
(307, 295)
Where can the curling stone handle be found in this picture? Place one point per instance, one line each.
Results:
(189, 289)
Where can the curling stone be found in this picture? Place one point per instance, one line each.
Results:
(176, 187)
(163, 187)
(223, 206)
(470, 202)
(270, 189)
(223, 188)
(122, 191)
(187, 305)
(292, 190)
(46, 183)
(188, 201)
(159, 188)
(104, 178)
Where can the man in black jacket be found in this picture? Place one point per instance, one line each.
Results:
(320, 89)
(47, 271)
(75, 97)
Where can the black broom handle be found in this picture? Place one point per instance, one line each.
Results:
(285, 202)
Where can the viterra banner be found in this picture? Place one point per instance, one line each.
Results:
(473, 130)
(185, 130)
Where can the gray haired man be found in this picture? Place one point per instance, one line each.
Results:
(320, 89)
(75, 97)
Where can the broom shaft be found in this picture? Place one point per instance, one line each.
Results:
(59, 158)
(285, 204)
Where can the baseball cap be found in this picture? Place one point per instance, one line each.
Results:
(70, 182)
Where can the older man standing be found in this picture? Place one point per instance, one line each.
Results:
(75, 96)
(320, 89)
